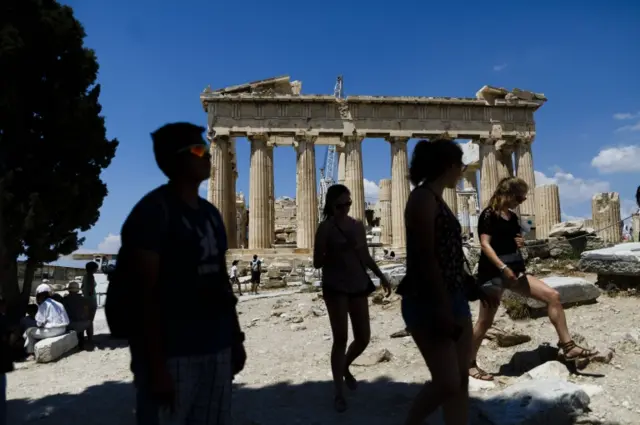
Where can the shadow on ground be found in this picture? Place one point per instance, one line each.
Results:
(112, 403)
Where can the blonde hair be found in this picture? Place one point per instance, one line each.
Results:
(508, 189)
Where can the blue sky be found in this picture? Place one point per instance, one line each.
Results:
(156, 57)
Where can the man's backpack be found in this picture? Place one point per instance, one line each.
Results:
(124, 294)
(255, 266)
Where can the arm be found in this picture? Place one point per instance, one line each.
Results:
(143, 238)
(320, 246)
(363, 251)
(422, 220)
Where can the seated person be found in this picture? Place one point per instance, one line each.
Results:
(77, 308)
(29, 320)
(51, 319)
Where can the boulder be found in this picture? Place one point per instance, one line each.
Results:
(572, 290)
(622, 260)
(534, 402)
(51, 349)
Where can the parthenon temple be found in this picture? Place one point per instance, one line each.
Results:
(498, 125)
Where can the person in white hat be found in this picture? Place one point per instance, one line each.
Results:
(51, 319)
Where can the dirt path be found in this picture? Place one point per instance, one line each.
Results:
(287, 377)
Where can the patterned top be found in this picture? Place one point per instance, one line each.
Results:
(449, 253)
(448, 240)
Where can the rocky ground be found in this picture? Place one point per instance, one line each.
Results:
(287, 376)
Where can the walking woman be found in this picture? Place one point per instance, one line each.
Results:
(434, 305)
(502, 267)
(341, 251)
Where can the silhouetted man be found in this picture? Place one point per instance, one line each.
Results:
(188, 344)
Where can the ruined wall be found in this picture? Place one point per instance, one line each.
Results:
(605, 210)
(285, 220)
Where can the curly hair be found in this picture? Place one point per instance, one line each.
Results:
(508, 189)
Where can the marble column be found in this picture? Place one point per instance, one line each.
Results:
(384, 198)
(605, 210)
(354, 180)
(450, 196)
(470, 184)
(488, 171)
(231, 217)
(220, 173)
(341, 164)
(259, 184)
(272, 197)
(504, 157)
(399, 189)
(306, 198)
(463, 213)
(524, 170)
(547, 209)
(635, 228)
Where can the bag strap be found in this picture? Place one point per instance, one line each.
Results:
(362, 265)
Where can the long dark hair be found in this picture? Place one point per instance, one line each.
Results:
(333, 193)
(432, 158)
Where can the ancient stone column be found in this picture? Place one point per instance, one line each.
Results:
(470, 184)
(341, 165)
(504, 156)
(635, 228)
(259, 185)
(384, 198)
(547, 209)
(272, 197)
(231, 214)
(220, 174)
(399, 189)
(354, 179)
(450, 196)
(463, 213)
(605, 209)
(524, 170)
(488, 171)
(306, 198)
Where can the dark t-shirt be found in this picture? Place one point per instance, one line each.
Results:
(503, 233)
(194, 290)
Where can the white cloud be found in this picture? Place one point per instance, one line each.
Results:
(371, 190)
(499, 67)
(617, 160)
(110, 244)
(626, 116)
(573, 190)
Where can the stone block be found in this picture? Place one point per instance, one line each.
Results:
(51, 349)
(622, 259)
(535, 402)
(572, 290)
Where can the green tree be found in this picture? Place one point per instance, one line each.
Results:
(53, 144)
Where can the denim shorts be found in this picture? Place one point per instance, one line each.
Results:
(418, 311)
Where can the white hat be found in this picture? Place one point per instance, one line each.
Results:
(43, 288)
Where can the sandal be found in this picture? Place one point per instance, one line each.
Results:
(340, 404)
(480, 374)
(584, 354)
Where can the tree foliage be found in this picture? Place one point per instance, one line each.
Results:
(53, 144)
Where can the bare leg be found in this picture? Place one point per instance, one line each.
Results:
(540, 291)
(338, 310)
(456, 409)
(361, 325)
(445, 377)
(239, 286)
(484, 323)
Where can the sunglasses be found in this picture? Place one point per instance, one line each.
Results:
(343, 205)
(197, 150)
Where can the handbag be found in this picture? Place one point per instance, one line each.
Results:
(514, 261)
(471, 288)
(371, 287)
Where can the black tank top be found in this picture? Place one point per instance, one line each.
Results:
(448, 243)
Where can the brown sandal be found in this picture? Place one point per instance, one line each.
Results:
(584, 354)
(480, 374)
